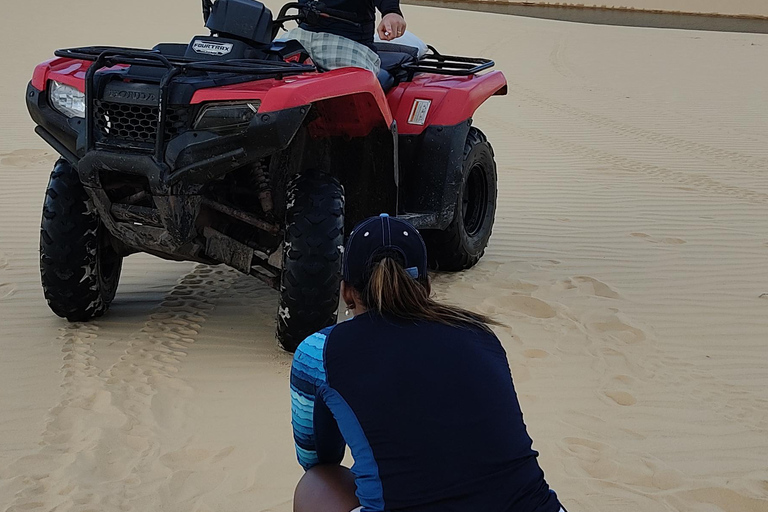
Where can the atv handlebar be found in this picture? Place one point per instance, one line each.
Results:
(312, 12)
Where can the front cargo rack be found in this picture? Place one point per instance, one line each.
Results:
(153, 58)
(110, 56)
(435, 62)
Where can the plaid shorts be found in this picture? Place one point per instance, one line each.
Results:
(329, 51)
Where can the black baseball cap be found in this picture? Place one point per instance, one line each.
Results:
(380, 235)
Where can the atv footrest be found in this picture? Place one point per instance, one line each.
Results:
(227, 250)
(140, 215)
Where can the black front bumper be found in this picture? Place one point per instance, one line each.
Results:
(189, 161)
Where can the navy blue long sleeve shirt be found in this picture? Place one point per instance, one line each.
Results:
(364, 12)
(429, 413)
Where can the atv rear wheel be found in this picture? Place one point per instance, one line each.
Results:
(314, 238)
(78, 266)
(461, 245)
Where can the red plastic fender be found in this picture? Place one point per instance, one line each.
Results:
(65, 71)
(351, 99)
(441, 100)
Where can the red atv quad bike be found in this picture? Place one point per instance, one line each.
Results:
(234, 149)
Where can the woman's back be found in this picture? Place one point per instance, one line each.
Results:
(429, 412)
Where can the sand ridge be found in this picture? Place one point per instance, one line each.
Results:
(627, 264)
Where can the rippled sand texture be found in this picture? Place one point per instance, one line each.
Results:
(628, 263)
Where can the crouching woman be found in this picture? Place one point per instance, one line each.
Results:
(421, 393)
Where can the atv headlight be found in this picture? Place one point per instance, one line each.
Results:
(67, 100)
(226, 116)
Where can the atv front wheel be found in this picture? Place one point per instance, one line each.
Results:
(461, 245)
(314, 237)
(78, 266)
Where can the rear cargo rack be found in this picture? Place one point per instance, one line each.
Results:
(109, 56)
(435, 62)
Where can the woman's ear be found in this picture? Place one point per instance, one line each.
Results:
(348, 295)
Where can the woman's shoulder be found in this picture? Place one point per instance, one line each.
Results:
(310, 352)
(374, 324)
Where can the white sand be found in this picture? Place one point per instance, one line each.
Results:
(628, 260)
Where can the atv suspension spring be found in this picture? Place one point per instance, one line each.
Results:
(261, 180)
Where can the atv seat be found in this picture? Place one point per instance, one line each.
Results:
(393, 57)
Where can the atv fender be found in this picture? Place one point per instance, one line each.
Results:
(352, 99)
(431, 171)
(442, 100)
(66, 71)
(431, 145)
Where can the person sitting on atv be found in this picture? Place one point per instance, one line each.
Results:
(335, 43)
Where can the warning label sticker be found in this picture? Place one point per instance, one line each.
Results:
(419, 112)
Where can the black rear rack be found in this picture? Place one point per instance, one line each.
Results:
(435, 62)
(108, 56)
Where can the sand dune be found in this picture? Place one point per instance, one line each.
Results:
(628, 263)
(736, 7)
(731, 7)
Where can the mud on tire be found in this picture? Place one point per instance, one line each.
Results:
(78, 266)
(461, 245)
(314, 237)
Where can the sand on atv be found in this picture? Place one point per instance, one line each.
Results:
(628, 261)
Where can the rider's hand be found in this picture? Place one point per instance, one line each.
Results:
(392, 25)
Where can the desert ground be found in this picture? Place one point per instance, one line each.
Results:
(628, 263)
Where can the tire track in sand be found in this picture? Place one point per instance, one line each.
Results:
(101, 443)
(574, 77)
(619, 163)
(754, 165)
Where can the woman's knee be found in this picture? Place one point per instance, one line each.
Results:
(326, 488)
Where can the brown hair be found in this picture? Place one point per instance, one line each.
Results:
(390, 290)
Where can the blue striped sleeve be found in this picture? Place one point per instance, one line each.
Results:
(307, 377)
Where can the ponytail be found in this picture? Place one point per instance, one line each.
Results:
(391, 290)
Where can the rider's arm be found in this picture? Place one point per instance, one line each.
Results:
(392, 22)
(388, 7)
(315, 432)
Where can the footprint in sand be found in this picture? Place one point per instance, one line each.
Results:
(595, 458)
(621, 397)
(535, 353)
(522, 304)
(618, 330)
(592, 286)
(184, 458)
(545, 264)
(6, 290)
(518, 286)
(624, 379)
(26, 158)
(654, 240)
(223, 453)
